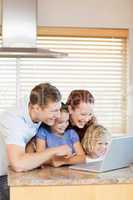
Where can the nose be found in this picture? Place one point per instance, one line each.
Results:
(104, 147)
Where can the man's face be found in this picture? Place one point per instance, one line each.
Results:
(49, 113)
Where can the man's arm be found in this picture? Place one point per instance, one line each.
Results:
(21, 161)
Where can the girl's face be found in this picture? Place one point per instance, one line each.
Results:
(100, 146)
(61, 123)
(82, 114)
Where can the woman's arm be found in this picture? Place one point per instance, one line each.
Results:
(77, 157)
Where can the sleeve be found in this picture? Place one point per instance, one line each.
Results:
(12, 130)
(15, 137)
(74, 136)
(42, 133)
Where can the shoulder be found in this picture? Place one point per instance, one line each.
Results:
(14, 114)
(43, 132)
(44, 128)
(71, 131)
(72, 134)
(12, 121)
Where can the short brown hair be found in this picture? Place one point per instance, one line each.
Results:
(43, 93)
(78, 96)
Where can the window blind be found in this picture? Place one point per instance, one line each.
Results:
(96, 64)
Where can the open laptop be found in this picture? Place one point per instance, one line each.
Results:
(119, 155)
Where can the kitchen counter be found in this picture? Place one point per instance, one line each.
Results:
(66, 176)
(64, 183)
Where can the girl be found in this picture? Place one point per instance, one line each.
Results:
(57, 135)
(96, 141)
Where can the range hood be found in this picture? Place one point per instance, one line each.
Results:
(19, 31)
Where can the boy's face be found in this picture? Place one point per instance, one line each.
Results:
(61, 123)
(100, 146)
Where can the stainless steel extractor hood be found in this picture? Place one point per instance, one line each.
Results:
(19, 31)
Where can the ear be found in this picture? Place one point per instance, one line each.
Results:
(70, 109)
(36, 107)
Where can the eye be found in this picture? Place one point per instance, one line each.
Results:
(99, 143)
(86, 114)
(54, 111)
(83, 114)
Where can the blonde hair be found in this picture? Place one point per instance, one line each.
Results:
(92, 134)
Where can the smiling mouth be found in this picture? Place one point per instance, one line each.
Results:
(81, 123)
(52, 119)
(62, 130)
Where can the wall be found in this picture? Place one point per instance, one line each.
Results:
(91, 13)
(85, 13)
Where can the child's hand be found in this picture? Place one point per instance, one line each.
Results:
(63, 150)
(57, 161)
(42, 166)
(70, 156)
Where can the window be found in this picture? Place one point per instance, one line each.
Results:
(97, 63)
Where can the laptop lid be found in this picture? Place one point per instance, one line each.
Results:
(119, 155)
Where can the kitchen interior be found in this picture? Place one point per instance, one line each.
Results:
(54, 17)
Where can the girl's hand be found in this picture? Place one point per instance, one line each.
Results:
(57, 161)
(70, 156)
(63, 150)
(43, 166)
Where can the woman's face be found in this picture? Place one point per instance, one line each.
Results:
(81, 114)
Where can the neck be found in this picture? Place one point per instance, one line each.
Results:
(56, 133)
(72, 123)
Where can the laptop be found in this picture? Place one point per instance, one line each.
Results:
(119, 155)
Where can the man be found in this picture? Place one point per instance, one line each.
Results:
(19, 124)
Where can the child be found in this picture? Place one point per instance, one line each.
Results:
(96, 141)
(57, 135)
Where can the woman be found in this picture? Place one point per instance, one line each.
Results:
(80, 105)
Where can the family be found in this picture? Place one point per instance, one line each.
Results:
(43, 130)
